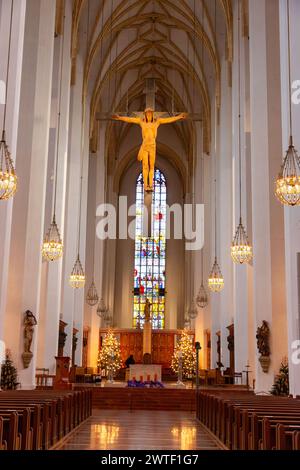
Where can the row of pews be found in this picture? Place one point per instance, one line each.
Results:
(36, 420)
(244, 421)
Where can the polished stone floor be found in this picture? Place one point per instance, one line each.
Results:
(140, 430)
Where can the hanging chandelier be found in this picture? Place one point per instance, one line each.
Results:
(92, 297)
(216, 280)
(77, 277)
(102, 309)
(108, 320)
(241, 250)
(287, 185)
(192, 312)
(202, 298)
(187, 322)
(8, 178)
(53, 246)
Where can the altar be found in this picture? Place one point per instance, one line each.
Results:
(145, 372)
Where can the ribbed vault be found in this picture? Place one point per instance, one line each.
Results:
(180, 43)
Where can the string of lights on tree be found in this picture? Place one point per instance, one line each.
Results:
(9, 374)
(109, 357)
(185, 353)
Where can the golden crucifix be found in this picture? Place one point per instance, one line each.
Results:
(149, 121)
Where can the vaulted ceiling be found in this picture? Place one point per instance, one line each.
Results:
(180, 43)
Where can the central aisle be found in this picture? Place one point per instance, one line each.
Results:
(140, 430)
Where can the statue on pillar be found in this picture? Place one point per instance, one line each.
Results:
(263, 345)
(147, 314)
(29, 323)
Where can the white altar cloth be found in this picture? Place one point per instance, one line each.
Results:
(145, 371)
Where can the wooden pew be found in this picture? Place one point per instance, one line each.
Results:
(11, 439)
(25, 431)
(245, 421)
(39, 419)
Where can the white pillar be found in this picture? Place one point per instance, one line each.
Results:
(291, 214)
(199, 190)
(267, 213)
(240, 272)
(73, 300)
(224, 182)
(97, 264)
(215, 298)
(54, 281)
(80, 294)
(32, 148)
(12, 118)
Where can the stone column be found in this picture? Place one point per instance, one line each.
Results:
(98, 164)
(215, 298)
(224, 182)
(54, 280)
(69, 295)
(80, 294)
(12, 119)
(32, 149)
(267, 213)
(291, 214)
(241, 273)
(198, 255)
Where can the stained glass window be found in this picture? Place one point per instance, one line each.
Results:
(150, 254)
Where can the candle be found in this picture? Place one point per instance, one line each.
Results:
(141, 378)
(155, 377)
(148, 378)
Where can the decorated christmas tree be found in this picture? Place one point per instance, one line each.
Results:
(9, 376)
(281, 383)
(184, 352)
(110, 355)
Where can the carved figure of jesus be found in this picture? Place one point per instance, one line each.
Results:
(147, 152)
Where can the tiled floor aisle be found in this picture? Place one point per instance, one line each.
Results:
(145, 430)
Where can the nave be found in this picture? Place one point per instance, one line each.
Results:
(149, 225)
(138, 430)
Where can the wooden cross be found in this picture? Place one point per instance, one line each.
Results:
(150, 92)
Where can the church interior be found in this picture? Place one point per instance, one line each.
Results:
(149, 228)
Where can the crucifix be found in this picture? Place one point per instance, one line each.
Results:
(149, 121)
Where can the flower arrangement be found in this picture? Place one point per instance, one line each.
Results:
(147, 384)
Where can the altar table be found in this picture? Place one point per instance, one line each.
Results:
(145, 372)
